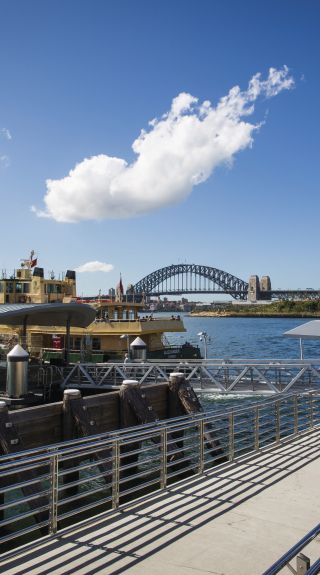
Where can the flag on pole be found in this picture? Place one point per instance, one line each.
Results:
(33, 260)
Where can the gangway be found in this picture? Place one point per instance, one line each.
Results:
(262, 376)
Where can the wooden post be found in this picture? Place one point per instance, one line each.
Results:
(69, 395)
(190, 404)
(78, 419)
(3, 407)
(10, 442)
(67, 341)
(128, 419)
(175, 407)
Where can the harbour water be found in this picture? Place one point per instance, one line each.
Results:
(251, 338)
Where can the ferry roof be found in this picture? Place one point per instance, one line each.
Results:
(309, 330)
(79, 315)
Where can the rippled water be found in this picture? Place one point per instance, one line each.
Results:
(247, 337)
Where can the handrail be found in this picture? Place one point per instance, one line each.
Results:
(107, 466)
(291, 553)
(314, 569)
(208, 416)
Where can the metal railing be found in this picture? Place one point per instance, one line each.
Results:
(44, 490)
(223, 376)
(303, 562)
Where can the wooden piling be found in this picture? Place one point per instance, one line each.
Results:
(175, 407)
(181, 390)
(79, 421)
(69, 433)
(10, 442)
(128, 418)
(2, 480)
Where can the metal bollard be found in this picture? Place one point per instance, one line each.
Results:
(17, 372)
(130, 383)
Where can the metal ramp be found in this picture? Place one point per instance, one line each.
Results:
(215, 376)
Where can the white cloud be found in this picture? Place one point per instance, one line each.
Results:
(4, 161)
(179, 151)
(95, 267)
(6, 133)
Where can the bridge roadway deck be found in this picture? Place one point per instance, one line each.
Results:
(235, 520)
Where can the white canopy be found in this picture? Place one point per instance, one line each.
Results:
(309, 330)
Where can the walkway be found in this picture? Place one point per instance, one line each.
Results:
(235, 521)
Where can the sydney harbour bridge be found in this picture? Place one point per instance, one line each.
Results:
(184, 279)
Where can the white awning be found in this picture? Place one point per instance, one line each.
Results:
(78, 315)
(309, 330)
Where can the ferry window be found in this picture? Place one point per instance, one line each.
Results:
(77, 343)
(115, 314)
(131, 314)
(124, 314)
(96, 343)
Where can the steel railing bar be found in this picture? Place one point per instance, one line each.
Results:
(291, 553)
(84, 508)
(84, 494)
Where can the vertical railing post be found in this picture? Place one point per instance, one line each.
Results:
(251, 379)
(311, 410)
(164, 459)
(277, 421)
(295, 414)
(54, 493)
(231, 436)
(115, 473)
(256, 428)
(201, 446)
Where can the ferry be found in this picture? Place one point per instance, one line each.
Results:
(119, 320)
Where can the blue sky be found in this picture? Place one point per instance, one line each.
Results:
(82, 79)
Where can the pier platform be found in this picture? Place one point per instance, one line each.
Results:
(234, 520)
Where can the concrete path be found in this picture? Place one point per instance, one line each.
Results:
(234, 521)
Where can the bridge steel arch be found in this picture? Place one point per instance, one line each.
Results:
(227, 283)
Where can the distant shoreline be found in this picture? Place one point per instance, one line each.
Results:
(253, 314)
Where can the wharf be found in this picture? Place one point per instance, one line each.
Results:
(236, 519)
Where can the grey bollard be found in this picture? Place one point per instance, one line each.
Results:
(17, 372)
(138, 349)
